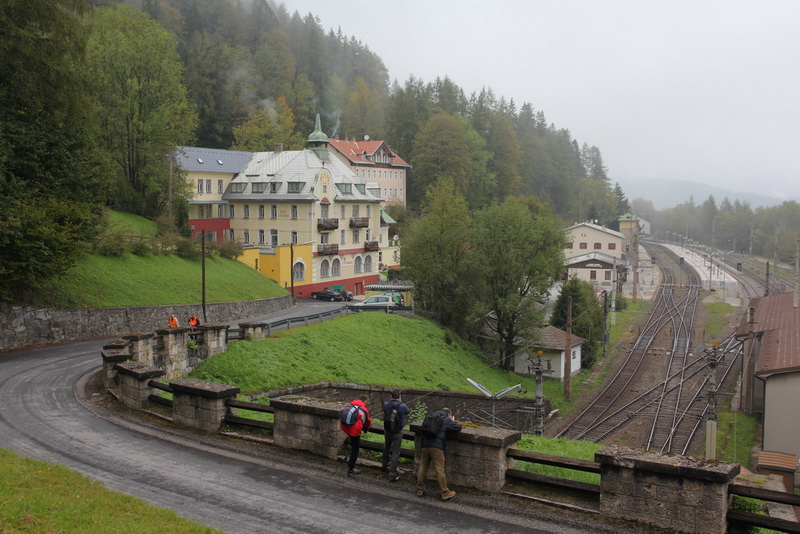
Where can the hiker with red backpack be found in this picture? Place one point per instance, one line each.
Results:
(435, 428)
(355, 420)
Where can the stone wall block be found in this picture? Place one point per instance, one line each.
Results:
(308, 424)
(24, 326)
(133, 379)
(199, 404)
(680, 493)
(254, 331)
(141, 346)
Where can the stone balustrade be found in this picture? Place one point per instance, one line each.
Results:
(681, 493)
(200, 405)
(133, 379)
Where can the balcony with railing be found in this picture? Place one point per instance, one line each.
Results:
(359, 222)
(327, 249)
(372, 246)
(327, 224)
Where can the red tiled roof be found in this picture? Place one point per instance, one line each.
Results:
(551, 337)
(357, 151)
(778, 324)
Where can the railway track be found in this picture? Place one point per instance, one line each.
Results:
(673, 406)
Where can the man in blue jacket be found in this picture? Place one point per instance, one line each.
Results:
(433, 453)
(393, 433)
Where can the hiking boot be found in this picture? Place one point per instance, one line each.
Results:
(394, 478)
(420, 493)
(449, 495)
(354, 472)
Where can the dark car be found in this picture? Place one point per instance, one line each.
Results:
(328, 294)
(347, 295)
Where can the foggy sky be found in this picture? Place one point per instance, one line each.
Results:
(707, 91)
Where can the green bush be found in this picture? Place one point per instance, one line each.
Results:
(187, 249)
(229, 249)
(111, 243)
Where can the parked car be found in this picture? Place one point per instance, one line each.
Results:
(375, 302)
(397, 297)
(328, 294)
(348, 295)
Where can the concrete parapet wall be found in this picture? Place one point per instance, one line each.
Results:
(132, 378)
(680, 493)
(200, 405)
(22, 326)
(308, 424)
(474, 457)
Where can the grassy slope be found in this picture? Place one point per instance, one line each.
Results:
(107, 282)
(131, 224)
(370, 348)
(104, 282)
(39, 497)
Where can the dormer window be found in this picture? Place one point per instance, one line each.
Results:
(362, 188)
(345, 188)
(296, 187)
(238, 187)
(259, 187)
(274, 187)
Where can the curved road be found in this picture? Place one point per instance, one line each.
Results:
(50, 413)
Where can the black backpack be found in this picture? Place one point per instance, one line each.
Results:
(349, 415)
(391, 420)
(432, 425)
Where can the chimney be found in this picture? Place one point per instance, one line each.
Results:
(278, 147)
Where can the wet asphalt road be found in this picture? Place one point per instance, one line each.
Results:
(47, 412)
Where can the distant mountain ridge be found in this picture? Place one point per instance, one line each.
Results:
(664, 193)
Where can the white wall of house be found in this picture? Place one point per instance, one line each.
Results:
(781, 400)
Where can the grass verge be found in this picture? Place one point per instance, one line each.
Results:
(39, 497)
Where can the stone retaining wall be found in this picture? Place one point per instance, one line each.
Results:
(22, 326)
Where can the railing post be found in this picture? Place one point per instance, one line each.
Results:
(113, 353)
(475, 457)
(133, 378)
(254, 330)
(215, 338)
(141, 346)
(308, 424)
(680, 493)
(174, 357)
(199, 404)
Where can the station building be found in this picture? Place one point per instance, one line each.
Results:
(294, 211)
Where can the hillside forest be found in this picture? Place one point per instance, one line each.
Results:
(94, 95)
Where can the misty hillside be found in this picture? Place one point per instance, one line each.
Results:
(666, 193)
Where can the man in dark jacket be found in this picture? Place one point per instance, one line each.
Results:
(393, 440)
(433, 453)
(354, 432)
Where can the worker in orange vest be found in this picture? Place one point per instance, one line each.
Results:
(173, 321)
(193, 322)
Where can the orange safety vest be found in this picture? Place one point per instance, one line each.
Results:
(193, 322)
(173, 322)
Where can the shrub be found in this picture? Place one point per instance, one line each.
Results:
(229, 249)
(111, 243)
(187, 249)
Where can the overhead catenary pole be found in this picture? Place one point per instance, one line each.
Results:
(203, 268)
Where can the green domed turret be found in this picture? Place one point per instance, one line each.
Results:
(318, 141)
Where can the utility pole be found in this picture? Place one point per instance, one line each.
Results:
(568, 353)
(635, 261)
(203, 268)
(766, 291)
(169, 186)
(711, 421)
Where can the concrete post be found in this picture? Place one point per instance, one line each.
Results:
(474, 457)
(133, 378)
(199, 404)
(255, 331)
(113, 353)
(308, 424)
(174, 355)
(680, 493)
(141, 346)
(215, 338)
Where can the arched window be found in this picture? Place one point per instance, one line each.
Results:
(357, 264)
(336, 267)
(324, 269)
(368, 264)
(299, 272)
